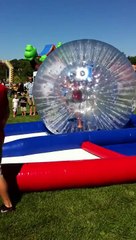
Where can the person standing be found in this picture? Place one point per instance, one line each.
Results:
(29, 87)
(4, 114)
(15, 104)
(23, 103)
(20, 89)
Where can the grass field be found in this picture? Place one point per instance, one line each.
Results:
(104, 213)
(19, 118)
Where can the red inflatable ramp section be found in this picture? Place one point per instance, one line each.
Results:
(76, 174)
(99, 151)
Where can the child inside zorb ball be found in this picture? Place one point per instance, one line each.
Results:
(91, 85)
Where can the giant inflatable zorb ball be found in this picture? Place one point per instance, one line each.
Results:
(85, 85)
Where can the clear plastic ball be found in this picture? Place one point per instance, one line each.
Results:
(85, 85)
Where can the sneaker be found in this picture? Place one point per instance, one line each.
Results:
(4, 209)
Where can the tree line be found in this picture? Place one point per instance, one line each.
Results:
(132, 59)
(23, 69)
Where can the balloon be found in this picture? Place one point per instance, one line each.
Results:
(85, 85)
(30, 52)
(42, 58)
(59, 44)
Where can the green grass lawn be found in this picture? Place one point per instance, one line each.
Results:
(20, 118)
(104, 213)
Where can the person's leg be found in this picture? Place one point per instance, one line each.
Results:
(7, 204)
(24, 111)
(13, 112)
(30, 106)
(31, 111)
(4, 192)
(34, 107)
(34, 110)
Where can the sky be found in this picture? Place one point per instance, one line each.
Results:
(41, 22)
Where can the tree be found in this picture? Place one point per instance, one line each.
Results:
(132, 59)
(22, 69)
(3, 71)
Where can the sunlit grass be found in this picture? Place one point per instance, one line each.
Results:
(19, 117)
(105, 213)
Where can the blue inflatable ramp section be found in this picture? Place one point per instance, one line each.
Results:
(47, 49)
(25, 128)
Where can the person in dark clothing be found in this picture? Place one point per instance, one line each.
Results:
(23, 104)
(20, 89)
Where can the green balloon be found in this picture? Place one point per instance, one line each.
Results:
(42, 58)
(30, 52)
(59, 44)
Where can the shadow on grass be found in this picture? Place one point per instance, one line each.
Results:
(10, 172)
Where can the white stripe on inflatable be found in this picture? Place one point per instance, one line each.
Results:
(21, 136)
(56, 156)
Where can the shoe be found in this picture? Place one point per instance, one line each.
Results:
(4, 209)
